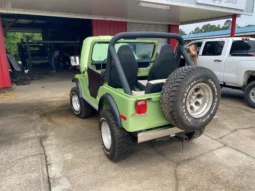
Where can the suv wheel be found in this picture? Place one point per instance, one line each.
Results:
(116, 142)
(80, 107)
(249, 94)
(190, 97)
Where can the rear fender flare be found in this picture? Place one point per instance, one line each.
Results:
(113, 106)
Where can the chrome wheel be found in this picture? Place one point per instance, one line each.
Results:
(106, 135)
(252, 95)
(76, 102)
(199, 100)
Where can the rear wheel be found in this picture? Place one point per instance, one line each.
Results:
(190, 97)
(116, 142)
(80, 107)
(249, 94)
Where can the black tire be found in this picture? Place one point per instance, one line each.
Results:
(195, 134)
(121, 141)
(248, 93)
(175, 96)
(85, 110)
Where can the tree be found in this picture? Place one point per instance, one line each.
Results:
(182, 32)
(227, 24)
(14, 38)
(211, 28)
(196, 31)
(249, 25)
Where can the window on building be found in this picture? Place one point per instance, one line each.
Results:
(213, 48)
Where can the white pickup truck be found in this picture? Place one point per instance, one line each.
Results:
(232, 60)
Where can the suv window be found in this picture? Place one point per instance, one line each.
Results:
(213, 48)
(241, 47)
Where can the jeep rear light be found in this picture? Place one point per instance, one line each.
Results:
(141, 106)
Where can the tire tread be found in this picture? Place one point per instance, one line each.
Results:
(123, 140)
(86, 109)
(170, 93)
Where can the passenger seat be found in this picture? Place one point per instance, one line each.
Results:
(160, 70)
(164, 65)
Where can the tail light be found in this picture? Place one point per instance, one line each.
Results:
(245, 39)
(141, 106)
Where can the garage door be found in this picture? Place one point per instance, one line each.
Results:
(131, 27)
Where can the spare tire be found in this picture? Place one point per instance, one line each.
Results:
(190, 97)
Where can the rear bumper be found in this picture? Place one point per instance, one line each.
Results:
(157, 133)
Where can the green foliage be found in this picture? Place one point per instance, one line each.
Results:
(206, 28)
(14, 38)
(209, 28)
(182, 32)
(250, 26)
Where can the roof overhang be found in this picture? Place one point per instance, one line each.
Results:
(179, 12)
(220, 36)
(244, 31)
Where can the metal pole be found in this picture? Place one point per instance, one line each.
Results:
(29, 63)
(233, 26)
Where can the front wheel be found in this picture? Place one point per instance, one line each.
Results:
(249, 94)
(116, 142)
(80, 107)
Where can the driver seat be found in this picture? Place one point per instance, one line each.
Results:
(164, 65)
(129, 66)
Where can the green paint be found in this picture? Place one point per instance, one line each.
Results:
(125, 103)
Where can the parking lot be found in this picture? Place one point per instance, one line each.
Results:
(43, 146)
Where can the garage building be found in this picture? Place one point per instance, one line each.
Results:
(75, 20)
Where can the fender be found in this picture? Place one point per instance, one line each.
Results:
(113, 106)
(75, 80)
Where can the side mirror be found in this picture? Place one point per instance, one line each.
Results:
(75, 60)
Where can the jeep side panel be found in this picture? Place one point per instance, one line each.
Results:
(83, 80)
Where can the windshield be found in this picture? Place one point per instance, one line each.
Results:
(142, 51)
(240, 47)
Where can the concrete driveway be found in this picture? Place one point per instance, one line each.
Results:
(43, 146)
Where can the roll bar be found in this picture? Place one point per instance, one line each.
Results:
(113, 57)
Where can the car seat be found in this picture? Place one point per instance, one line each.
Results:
(129, 66)
(165, 64)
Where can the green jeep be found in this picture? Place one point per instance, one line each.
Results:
(142, 95)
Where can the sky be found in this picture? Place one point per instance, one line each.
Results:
(241, 21)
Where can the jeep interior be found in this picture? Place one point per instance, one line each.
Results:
(134, 56)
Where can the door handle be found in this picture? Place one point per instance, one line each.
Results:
(217, 60)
